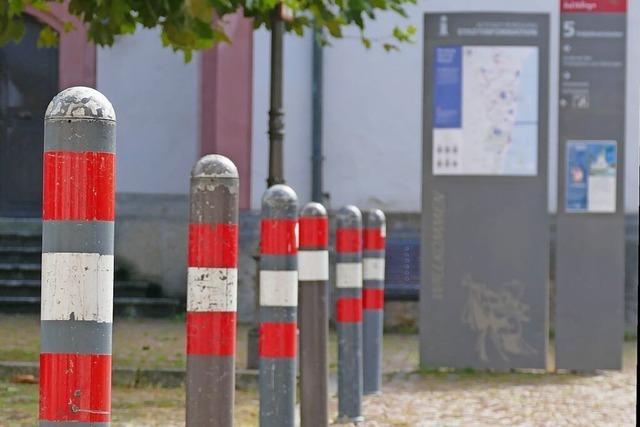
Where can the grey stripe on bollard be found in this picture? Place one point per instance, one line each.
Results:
(211, 292)
(313, 277)
(278, 304)
(349, 313)
(374, 235)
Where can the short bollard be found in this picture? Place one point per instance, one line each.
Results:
(77, 259)
(278, 306)
(349, 313)
(313, 276)
(374, 233)
(211, 292)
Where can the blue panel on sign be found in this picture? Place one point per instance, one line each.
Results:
(591, 176)
(447, 87)
(577, 164)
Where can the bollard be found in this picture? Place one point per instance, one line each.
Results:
(349, 313)
(313, 276)
(278, 305)
(374, 233)
(211, 292)
(78, 209)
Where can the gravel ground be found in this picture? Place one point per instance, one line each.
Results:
(481, 399)
(408, 398)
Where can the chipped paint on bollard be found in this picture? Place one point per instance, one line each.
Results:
(278, 306)
(349, 313)
(373, 237)
(212, 292)
(313, 313)
(78, 213)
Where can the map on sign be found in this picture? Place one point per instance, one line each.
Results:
(485, 112)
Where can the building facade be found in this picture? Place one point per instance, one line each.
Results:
(170, 113)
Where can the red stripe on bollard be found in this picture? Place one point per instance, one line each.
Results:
(348, 240)
(314, 232)
(211, 333)
(75, 387)
(213, 245)
(373, 239)
(278, 236)
(278, 340)
(78, 186)
(349, 310)
(373, 299)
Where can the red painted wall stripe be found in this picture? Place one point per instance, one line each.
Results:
(214, 246)
(62, 375)
(278, 237)
(278, 340)
(373, 299)
(348, 240)
(78, 186)
(594, 6)
(373, 239)
(211, 333)
(314, 232)
(349, 310)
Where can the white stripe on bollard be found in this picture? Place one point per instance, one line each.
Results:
(211, 289)
(78, 285)
(279, 288)
(373, 268)
(313, 265)
(349, 275)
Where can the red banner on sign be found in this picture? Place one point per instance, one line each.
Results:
(595, 6)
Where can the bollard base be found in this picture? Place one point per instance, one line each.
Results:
(372, 392)
(344, 419)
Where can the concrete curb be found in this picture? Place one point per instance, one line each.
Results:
(246, 379)
(130, 377)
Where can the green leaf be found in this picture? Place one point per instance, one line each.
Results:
(48, 37)
(68, 26)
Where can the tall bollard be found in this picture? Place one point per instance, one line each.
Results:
(374, 234)
(78, 210)
(349, 313)
(313, 276)
(278, 305)
(211, 292)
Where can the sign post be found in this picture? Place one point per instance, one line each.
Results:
(484, 295)
(590, 226)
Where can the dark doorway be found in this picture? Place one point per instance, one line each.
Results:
(28, 81)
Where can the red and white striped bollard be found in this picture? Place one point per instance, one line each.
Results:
(78, 215)
(212, 292)
(278, 306)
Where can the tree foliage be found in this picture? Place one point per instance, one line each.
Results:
(189, 25)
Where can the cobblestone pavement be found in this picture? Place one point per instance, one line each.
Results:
(481, 399)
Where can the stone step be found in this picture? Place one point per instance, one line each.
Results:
(20, 254)
(18, 238)
(122, 306)
(19, 270)
(122, 288)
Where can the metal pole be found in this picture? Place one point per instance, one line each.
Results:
(276, 138)
(313, 277)
(374, 235)
(349, 313)
(278, 306)
(316, 132)
(276, 112)
(212, 279)
(78, 215)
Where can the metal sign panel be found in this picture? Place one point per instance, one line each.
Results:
(590, 227)
(484, 290)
